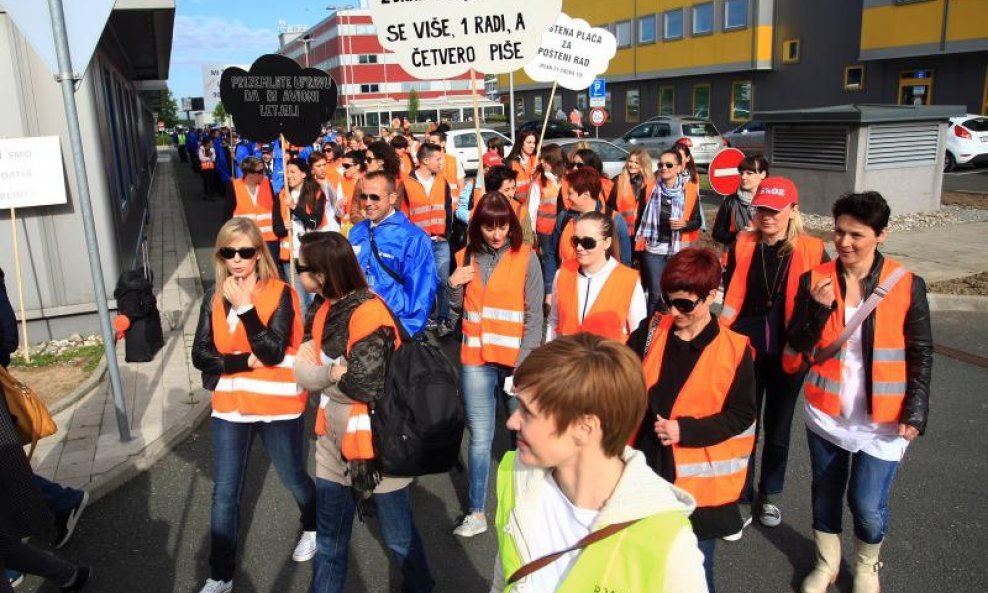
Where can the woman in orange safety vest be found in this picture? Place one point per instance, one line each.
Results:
(866, 398)
(699, 429)
(632, 186)
(498, 285)
(522, 159)
(245, 345)
(303, 209)
(594, 292)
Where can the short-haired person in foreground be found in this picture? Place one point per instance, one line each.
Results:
(866, 399)
(573, 479)
(700, 426)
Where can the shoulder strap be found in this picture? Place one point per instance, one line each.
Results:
(653, 326)
(869, 305)
(377, 255)
(548, 559)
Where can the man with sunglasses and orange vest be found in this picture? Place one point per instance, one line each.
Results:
(253, 197)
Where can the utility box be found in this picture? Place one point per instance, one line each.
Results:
(896, 150)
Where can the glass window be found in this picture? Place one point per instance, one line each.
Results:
(735, 14)
(557, 103)
(701, 101)
(632, 105)
(642, 131)
(520, 108)
(663, 130)
(672, 24)
(854, 78)
(367, 59)
(608, 104)
(699, 129)
(538, 109)
(370, 88)
(646, 29)
(667, 100)
(703, 19)
(581, 102)
(741, 101)
(790, 51)
(622, 31)
(608, 152)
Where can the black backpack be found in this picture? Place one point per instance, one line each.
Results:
(417, 423)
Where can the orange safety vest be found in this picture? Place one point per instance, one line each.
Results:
(888, 354)
(494, 314)
(606, 185)
(405, 165)
(807, 254)
(608, 317)
(627, 201)
(526, 173)
(565, 248)
(545, 219)
(259, 213)
(285, 243)
(364, 321)
(450, 173)
(428, 212)
(692, 203)
(265, 391)
(714, 475)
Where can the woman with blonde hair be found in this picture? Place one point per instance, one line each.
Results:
(249, 330)
(632, 187)
(762, 278)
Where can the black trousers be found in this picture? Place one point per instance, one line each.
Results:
(30, 560)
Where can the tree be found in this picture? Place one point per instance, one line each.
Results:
(219, 113)
(169, 111)
(413, 106)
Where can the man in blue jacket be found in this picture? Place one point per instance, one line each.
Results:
(403, 271)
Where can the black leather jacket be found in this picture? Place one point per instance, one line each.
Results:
(809, 317)
(268, 344)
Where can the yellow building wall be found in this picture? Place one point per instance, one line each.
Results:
(967, 19)
(903, 25)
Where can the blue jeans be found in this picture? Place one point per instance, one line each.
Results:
(482, 387)
(544, 256)
(60, 499)
(652, 268)
(284, 440)
(440, 251)
(867, 490)
(707, 548)
(305, 298)
(335, 526)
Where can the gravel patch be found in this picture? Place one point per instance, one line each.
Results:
(948, 215)
(976, 285)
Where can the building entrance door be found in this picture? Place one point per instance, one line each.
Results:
(916, 87)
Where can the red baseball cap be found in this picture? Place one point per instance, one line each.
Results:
(775, 193)
(492, 159)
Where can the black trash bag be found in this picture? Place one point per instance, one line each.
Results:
(135, 299)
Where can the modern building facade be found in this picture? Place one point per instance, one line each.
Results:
(373, 87)
(124, 84)
(726, 59)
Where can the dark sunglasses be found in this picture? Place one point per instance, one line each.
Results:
(348, 165)
(683, 305)
(587, 243)
(369, 197)
(668, 165)
(301, 269)
(243, 252)
(258, 172)
(576, 165)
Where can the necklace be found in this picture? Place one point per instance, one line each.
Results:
(770, 288)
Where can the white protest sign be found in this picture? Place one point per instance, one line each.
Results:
(31, 172)
(572, 53)
(438, 39)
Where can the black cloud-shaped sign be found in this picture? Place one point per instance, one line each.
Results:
(278, 96)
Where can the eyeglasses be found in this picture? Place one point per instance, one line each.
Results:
(369, 197)
(576, 165)
(587, 243)
(348, 165)
(683, 305)
(300, 268)
(243, 252)
(668, 165)
(258, 172)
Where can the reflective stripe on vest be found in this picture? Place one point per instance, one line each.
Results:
(450, 171)
(428, 212)
(259, 213)
(526, 174)
(494, 314)
(889, 378)
(264, 391)
(715, 474)
(627, 201)
(608, 316)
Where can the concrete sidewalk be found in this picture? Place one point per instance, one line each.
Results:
(942, 253)
(164, 397)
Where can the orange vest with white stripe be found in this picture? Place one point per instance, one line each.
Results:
(285, 243)
(608, 317)
(545, 220)
(627, 201)
(494, 314)
(365, 320)
(428, 212)
(714, 475)
(264, 391)
(526, 174)
(888, 353)
(450, 173)
(259, 213)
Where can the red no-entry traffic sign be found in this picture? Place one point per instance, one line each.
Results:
(723, 171)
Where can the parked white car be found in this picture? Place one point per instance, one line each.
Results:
(967, 141)
(611, 156)
(463, 144)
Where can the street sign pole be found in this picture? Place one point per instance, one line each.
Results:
(67, 79)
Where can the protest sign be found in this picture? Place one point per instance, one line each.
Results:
(277, 97)
(572, 53)
(31, 172)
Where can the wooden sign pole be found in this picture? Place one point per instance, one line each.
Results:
(288, 224)
(26, 350)
(545, 123)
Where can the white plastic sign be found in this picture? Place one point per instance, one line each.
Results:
(437, 39)
(572, 53)
(31, 172)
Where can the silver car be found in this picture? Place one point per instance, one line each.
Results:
(749, 137)
(661, 133)
(612, 157)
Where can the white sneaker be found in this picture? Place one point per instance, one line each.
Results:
(473, 524)
(212, 586)
(770, 515)
(305, 549)
(746, 521)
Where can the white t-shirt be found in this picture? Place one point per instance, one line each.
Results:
(854, 429)
(588, 288)
(559, 525)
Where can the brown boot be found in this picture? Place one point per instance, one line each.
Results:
(866, 567)
(827, 563)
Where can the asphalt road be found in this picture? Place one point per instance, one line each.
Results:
(966, 179)
(152, 534)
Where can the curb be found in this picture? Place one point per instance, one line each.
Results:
(91, 384)
(955, 302)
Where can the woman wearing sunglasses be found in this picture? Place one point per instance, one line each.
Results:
(499, 288)
(698, 430)
(303, 206)
(353, 164)
(594, 292)
(353, 337)
(762, 277)
(245, 345)
(670, 221)
(632, 187)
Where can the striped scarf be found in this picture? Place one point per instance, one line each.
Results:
(648, 231)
